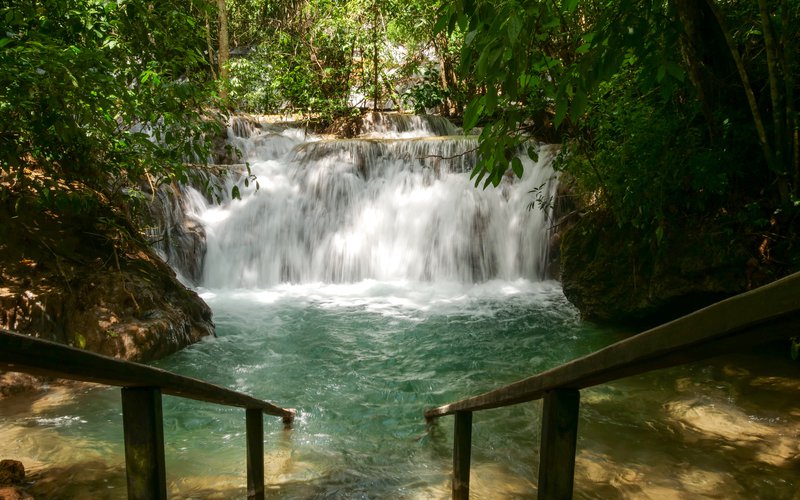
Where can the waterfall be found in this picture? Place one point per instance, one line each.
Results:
(402, 208)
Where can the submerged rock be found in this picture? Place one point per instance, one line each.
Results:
(11, 493)
(11, 472)
(12, 475)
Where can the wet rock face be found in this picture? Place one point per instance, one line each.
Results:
(613, 280)
(140, 313)
(12, 475)
(178, 237)
(78, 280)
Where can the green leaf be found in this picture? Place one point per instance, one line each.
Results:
(235, 194)
(570, 5)
(490, 100)
(474, 111)
(442, 22)
(579, 104)
(561, 110)
(533, 154)
(661, 73)
(675, 71)
(659, 234)
(514, 27)
(516, 166)
(470, 37)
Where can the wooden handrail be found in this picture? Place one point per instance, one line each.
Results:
(22, 353)
(142, 387)
(751, 318)
(769, 313)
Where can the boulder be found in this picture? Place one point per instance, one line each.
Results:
(615, 276)
(87, 279)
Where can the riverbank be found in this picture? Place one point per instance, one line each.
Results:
(84, 277)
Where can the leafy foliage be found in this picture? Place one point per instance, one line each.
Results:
(324, 57)
(102, 92)
(646, 158)
(665, 109)
(427, 94)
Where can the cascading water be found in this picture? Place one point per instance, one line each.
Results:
(367, 280)
(341, 211)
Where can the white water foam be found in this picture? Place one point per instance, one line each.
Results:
(374, 209)
(394, 299)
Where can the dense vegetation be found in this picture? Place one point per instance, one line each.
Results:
(669, 111)
(103, 94)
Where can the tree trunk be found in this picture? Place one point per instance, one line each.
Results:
(748, 88)
(773, 67)
(210, 48)
(224, 51)
(788, 46)
(376, 91)
(693, 43)
(446, 73)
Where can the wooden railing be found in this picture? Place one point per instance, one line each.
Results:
(142, 387)
(765, 314)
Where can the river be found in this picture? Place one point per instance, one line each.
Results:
(366, 280)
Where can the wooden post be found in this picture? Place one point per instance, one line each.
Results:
(559, 437)
(462, 449)
(144, 443)
(255, 454)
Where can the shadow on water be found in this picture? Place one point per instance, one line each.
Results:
(729, 428)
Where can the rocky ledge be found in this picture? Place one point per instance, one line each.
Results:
(613, 279)
(85, 278)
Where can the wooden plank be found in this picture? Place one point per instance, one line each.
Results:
(144, 443)
(768, 313)
(40, 357)
(255, 454)
(559, 438)
(462, 451)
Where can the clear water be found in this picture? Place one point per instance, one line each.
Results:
(366, 281)
(361, 362)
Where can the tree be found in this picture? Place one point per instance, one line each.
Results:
(542, 79)
(103, 93)
(224, 50)
(318, 56)
(667, 111)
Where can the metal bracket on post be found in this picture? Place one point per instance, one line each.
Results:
(144, 443)
(559, 438)
(462, 449)
(255, 454)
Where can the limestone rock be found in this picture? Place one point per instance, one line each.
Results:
(85, 279)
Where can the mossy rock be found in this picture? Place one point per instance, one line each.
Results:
(614, 275)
